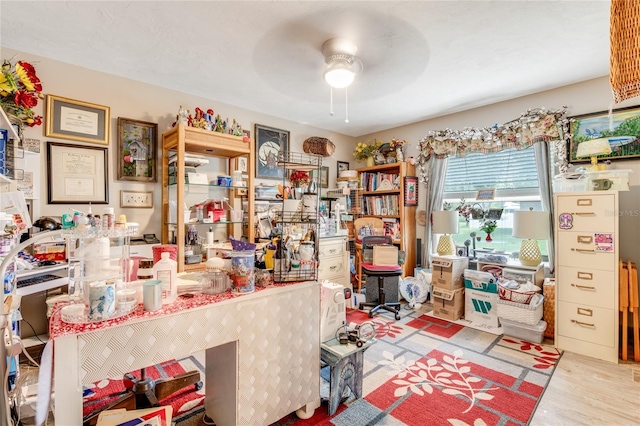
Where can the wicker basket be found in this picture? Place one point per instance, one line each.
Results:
(529, 314)
(549, 310)
(523, 297)
(319, 146)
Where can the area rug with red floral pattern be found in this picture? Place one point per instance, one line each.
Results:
(424, 370)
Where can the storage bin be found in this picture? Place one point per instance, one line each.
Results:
(577, 183)
(530, 333)
(529, 313)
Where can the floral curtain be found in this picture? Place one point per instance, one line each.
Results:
(535, 125)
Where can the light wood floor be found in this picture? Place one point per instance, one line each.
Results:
(587, 391)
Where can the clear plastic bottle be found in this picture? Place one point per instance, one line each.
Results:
(166, 270)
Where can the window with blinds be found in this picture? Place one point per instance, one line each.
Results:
(514, 176)
(509, 170)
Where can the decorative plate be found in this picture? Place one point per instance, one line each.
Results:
(421, 217)
(413, 290)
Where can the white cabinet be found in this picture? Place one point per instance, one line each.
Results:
(333, 261)
(587, 253)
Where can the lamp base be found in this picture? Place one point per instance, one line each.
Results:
(530, 253)
(446, 246)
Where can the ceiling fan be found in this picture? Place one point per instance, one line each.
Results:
(343, 66)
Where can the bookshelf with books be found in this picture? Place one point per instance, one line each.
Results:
(382, 194)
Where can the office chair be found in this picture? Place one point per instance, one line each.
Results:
(380, 272)
(363, 226)
(145, 392)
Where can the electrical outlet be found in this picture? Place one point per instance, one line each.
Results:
(136, 199)
(635, 375)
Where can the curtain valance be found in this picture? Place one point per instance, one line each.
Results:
(535, 125)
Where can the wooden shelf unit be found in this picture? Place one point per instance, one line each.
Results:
(184, 139)
(406, 214)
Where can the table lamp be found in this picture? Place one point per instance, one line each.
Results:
(531, 226)
(445, 222)
(592, 148)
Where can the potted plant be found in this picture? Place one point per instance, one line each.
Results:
(489, 226)
(365, 150)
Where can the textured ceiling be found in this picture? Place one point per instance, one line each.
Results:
(421, 59)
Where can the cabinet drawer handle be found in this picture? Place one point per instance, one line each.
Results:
(583, 323)
(584, 202)
(583, 213)
(583, 287)
(333, 268)
(584, 311)
(585, 275)
(584, 239)
(584, 250)
(332, 251)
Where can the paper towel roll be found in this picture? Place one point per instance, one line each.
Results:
(102, 300)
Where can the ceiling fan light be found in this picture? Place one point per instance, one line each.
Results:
(339, 74)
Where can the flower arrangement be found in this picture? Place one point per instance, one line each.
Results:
(20, 90)
(397, 143)
(299, 178)
(462, 208)
(365, 150)
(489, 226)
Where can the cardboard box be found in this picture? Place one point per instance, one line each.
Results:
(481, 298)
(446, 271)
(385, 255)
(50, 251)
(448, 304)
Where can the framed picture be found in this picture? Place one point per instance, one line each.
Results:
(77, 174)
(486, 194)
(342, 166)
(77, 120)
(241, 164)
(621, 131)
(268, 142)
(137, 145)
(324, 177)
(136, 199)
(461, 251)
(323, 181)
(410, 191)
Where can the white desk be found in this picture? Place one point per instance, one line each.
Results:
(262, 353)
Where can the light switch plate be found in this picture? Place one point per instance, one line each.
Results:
(136, 199)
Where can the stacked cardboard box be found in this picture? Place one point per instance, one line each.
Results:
(448, 286)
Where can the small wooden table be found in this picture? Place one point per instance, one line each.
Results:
(345, 363)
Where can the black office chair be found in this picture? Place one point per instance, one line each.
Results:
(380, 273)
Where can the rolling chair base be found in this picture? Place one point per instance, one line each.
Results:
(391, 307)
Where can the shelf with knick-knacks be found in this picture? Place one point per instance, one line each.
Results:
(192, 199)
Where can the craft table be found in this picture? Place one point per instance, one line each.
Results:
(345, 363)
(262, 352)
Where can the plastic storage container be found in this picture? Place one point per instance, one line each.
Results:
(530, 333)
(242, 271)
(561, 183)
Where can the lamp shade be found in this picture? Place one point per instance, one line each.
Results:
(531, 225)
(593, 148)
(445, 222)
